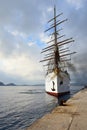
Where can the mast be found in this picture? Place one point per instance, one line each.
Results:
(55, 53)
(57, 58)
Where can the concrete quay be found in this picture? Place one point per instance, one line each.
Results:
(71, 116)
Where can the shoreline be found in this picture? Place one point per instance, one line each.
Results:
(70, 116)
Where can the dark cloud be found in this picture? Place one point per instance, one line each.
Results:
(76, 27)
(80, 76)
(23, 15)
(80, 33)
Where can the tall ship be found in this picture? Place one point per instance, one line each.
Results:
(56, 58)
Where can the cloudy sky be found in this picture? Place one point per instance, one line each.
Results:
(22, 25)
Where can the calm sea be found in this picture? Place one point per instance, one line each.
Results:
(20, 106)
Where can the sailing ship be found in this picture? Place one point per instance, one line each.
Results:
(57, 79)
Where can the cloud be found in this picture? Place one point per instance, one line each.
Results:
(24, 16)
(80, 62)
(77, 3)
(22, 24)
(20, 65)
(23, 65)
(79, 30)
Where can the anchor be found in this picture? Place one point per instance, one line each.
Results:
(53, 89)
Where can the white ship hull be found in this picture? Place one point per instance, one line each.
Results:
(57, 84)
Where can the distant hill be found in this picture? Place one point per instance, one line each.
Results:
(13, 84)
(2, 84)
(9, 84)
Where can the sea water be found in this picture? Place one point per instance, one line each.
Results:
(20, 106)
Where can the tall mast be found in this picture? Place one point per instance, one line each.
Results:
(55, 30)
(55, 37)
(55, 54)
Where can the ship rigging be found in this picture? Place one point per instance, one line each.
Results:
(56, 55)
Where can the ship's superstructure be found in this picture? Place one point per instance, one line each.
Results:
(57, 80)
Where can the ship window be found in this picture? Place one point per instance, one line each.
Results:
(61, 82)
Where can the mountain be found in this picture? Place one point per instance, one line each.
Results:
(2, 84)
(13, 84)
(10, 84)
